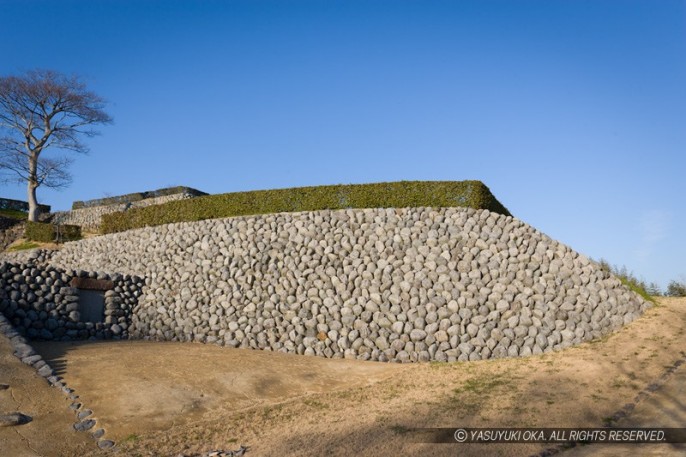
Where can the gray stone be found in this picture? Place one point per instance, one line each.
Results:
(12, 419)
(105, 444)
(417, 335)
(84, 425)
(45, 371)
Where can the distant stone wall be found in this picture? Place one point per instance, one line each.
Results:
(90, 218)
(405, 285)
(19, 205)
(138, 196)
(40, 302)
(10, 231)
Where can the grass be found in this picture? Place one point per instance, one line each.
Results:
(312, 403)
(24, 246)
(472, 394)
(399, 429)
(481, 385)
(132, 438)
(13, 214)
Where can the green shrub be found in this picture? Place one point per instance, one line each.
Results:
(676, 289)
(13, 214)
(628, 279)
(401, 194)
(49, 233)
(38, 231)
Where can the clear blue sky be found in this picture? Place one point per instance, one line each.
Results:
(572, 112)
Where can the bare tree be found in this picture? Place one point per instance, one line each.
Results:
(39, 110)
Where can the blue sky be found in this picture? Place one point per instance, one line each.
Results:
(572, 112)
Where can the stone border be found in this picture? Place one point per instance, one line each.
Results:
(27, 354)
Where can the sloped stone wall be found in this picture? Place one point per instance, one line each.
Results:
(410, 284)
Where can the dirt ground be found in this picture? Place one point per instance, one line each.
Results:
(136, 387)
(170, 399)
(50, 432)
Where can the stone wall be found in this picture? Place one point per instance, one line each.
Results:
(20, 205)
(410, 284)
(138, 196)
(40, 302)
(10, 231)
(90, 218)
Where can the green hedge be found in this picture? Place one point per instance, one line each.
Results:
(136, 196)
(48, 233)
(401, 194)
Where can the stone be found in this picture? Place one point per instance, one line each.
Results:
(84, 425)
(22, 350)
(32, 359)
(417, 335)
(45, 371)
(105, 444)
(12, 419)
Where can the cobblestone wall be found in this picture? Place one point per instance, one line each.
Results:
(410, 284)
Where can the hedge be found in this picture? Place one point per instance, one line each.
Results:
(401, 194)
(48, 233)
(136, 196)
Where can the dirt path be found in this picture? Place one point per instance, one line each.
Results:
(166, 399)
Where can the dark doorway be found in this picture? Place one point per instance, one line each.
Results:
(91, 305)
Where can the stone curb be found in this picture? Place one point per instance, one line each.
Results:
(27, 354)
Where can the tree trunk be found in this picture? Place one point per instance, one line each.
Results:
(32, 186)
(34, 211)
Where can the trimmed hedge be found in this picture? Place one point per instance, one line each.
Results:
(137, 196)
(48, 233)
(401, 194)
